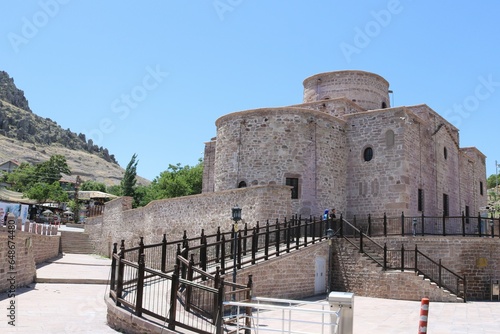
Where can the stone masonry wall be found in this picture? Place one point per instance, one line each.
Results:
(366, 89)
(266, 146)
(190, 213)
(29, 249)
(289, 276)
(478, 259)
(381, 184)
(354, 273)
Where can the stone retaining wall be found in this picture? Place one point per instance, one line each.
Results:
(478, 259)
(29, 250)
(190, 213)
(290, 276)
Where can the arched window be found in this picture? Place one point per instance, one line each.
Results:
(368, 154)
(384, 105)
(242, 184)
(389, 138)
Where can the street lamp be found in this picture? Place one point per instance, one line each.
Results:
(236, 214)
(329, 234)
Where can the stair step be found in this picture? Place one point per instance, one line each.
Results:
(76, 243)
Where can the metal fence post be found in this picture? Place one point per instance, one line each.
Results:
(402, 224)
(217, 247)
(385, 225)
(266, 245)
(369, 232)
(223, 255)
(173, 298)
(278, 231)
(416, 260)
(189, 288)
(479, 224)
(341, 226)
(463, 224)
(254, 244)
(238, 239)
(140, 286)
(385, 257)
(203, 253)
(220, 308)
(113, 269)
(423, 224)
(164, 254)
(360, 241)
(245, 234)
(121, 268)
(444, 224)
(402, 257)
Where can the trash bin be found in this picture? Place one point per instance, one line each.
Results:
(345, 302)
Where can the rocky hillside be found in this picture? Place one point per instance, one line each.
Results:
(25, 136)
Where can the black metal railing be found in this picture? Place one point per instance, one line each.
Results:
(428, 225)
(402, 259)
(185, 276)
(184, 279)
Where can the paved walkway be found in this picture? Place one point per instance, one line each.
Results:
(79, 308)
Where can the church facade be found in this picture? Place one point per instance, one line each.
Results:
(346, 147)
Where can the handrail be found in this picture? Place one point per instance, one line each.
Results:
(437, 266)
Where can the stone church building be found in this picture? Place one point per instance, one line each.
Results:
(346, 147)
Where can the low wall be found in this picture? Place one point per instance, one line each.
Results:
(478, 259)
(190, 213)
(289, 276)
(124, 321)
(28, 250)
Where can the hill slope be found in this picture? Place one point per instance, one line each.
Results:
(27, 137)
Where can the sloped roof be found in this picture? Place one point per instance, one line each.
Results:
(13, 196)
(88, 194)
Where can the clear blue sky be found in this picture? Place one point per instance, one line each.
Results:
(151, 77)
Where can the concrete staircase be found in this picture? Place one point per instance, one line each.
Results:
(76, 243)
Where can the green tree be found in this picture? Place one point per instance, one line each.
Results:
(130, 178)
(51, 171)
(43, 192)
(179, 181)
(22, 178)
(91, 185)
(492, 181)
(115, 190)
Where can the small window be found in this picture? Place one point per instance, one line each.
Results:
(420, 200)
(481, 188)
(294, 182)
(445, 153)
(368, 154)
(389, 138)
(446, 205)
(242, 184)
(384, 105)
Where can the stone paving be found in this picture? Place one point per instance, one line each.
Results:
(79, 308)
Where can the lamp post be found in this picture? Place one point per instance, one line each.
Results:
(236, 214)
(329, 234)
